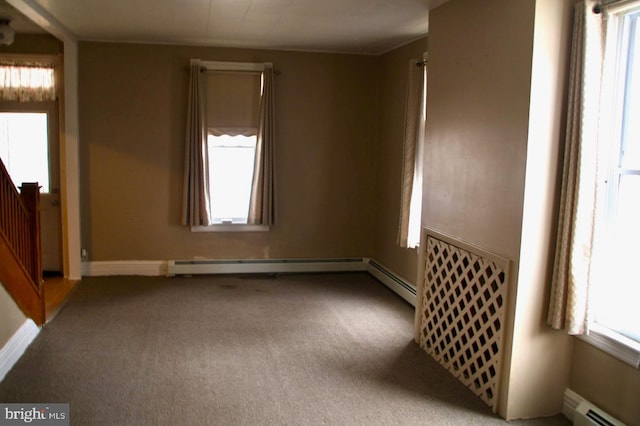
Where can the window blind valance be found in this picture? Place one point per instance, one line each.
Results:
(233, 101)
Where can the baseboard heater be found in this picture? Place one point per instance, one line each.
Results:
(253, 266)
(401, 287)
(588, 414)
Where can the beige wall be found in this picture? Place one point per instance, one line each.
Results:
(541, 357)
(496, 77)
(132, 121)
(393, 92)
(33, 44)
(607, 382)
(11, 317)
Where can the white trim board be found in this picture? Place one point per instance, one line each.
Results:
(124, 267)
(241, 266)
(400, 286)
(15, 347)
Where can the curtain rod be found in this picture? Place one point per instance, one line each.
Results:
(598, 8)
(422, 63)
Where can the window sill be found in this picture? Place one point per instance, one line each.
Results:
(614, 344)
(228, 227)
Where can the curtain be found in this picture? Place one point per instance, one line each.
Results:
(411, 191)
(569, 307)
(27, 80)
(196, 209)
(262, 206)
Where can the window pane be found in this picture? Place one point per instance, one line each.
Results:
(231, 161)
(24, 147)
(616, 302)
(630, 155)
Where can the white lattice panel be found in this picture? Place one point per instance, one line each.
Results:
(462, 314)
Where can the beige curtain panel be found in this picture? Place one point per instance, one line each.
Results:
(196, 210)
(262, 204)
(568, 307)
(411, 191)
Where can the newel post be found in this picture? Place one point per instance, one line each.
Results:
(30, 193)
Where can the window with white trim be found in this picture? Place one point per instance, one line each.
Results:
(615, 290)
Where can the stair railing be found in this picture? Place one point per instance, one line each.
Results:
(20, 224)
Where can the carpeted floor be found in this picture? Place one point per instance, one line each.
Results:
(324, 349)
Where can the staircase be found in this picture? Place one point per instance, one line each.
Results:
(20, 257)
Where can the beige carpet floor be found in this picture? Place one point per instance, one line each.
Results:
(318, 349)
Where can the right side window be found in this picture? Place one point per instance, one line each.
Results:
(614, 302)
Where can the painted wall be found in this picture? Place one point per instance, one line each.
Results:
(11, 317)
(132, 123)
(33, 44)
(540, 359)
(492, 142)
(606, 382)
(389, 151)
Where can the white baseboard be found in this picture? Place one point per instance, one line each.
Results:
(401, 287)
(570, 403)
(389, 278)
(15, 347)
(124, 267)
(264, 266)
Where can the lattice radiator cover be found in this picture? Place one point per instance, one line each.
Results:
(462, 313)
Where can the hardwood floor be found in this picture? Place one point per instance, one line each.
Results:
(56, 291)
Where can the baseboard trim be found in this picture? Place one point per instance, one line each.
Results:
(15, 347)
(401, 287)
(258, 266)
(124, 267)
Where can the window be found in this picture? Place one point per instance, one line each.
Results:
(594, 288)
(229, 173)
(233, 100)
(24, 147)
(231, 161)
(27, 87)
(616, 284)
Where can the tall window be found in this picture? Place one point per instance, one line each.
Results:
(233, 99)
(229, 180)
(596, 287)
(616, 287)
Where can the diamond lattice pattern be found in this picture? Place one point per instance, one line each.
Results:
(462, 316)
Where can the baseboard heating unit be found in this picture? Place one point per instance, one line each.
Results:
(253, 266)
(588, 414)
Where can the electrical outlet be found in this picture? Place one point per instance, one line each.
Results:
(83, 254)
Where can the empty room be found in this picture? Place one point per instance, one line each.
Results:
(304, 212)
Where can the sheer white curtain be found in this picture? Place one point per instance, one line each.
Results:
(569, 307)
(27, 80)
(196, 204)
(262, 206)
(411, 191)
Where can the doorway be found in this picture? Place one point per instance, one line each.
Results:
(29, 150)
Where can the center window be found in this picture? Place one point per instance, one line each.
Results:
(233, 100)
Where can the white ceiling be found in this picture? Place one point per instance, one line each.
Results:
(350, 26)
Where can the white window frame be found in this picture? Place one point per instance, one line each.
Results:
(231, 66)
(614, 82)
